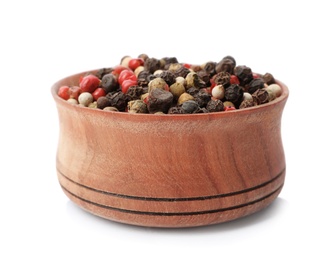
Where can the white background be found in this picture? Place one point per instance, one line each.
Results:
(42, 42)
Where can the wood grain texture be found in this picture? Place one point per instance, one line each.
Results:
(170, 170)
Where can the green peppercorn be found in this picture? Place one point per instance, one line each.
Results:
(157, 83)
(137, 106)
(184, 97)
(177, 89)
(193, 80)
(114, 109)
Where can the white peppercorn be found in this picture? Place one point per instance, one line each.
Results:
(218, 92)
(85, 99)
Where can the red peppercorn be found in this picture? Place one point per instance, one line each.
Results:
(118, 69)
(63, 92)
(74, 92)
(134, 63)
(166, 87)
(99, 92)
(127, 84)
(146, 99)
(255, 75)
(126, 75)
(89, 83)
(234, 79)
(187, 65)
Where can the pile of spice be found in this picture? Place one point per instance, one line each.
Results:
(165, 86)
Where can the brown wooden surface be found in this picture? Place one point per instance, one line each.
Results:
(170, 170)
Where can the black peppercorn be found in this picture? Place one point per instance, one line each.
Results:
(175, 110)
(254, 85)
(234, 93)
(202, 98)
(231, 58)
(101, 72)
(152, 64)
(143, 78)
(143, 75)
(190, 107)
(134, 92)
(268, 78)
(170, 60)
(261, 96)
(143, 56)
(151, 77)
(159, 100)
(215, 105)
(246, 103)
(118, 100)
(209, 67)
(244, 74)
(227, 64)
(204, 76)
(168, 76)
(222, 78)
(202, 110)
(102, 102)
(181, 72)
(192, 91)
(109, 83)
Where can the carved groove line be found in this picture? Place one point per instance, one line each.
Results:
(175, 213)
(175, 199)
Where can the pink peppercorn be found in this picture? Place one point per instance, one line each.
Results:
(127, 84)
(89, 83)
(187, 65)
(126, 75)
(134, 63)
(99, 92)
(234, 79)
(118, 69)
(63, 92)
(74, 92)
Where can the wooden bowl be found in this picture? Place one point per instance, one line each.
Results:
(170, 170)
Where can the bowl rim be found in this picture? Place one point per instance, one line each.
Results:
(282, 98)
